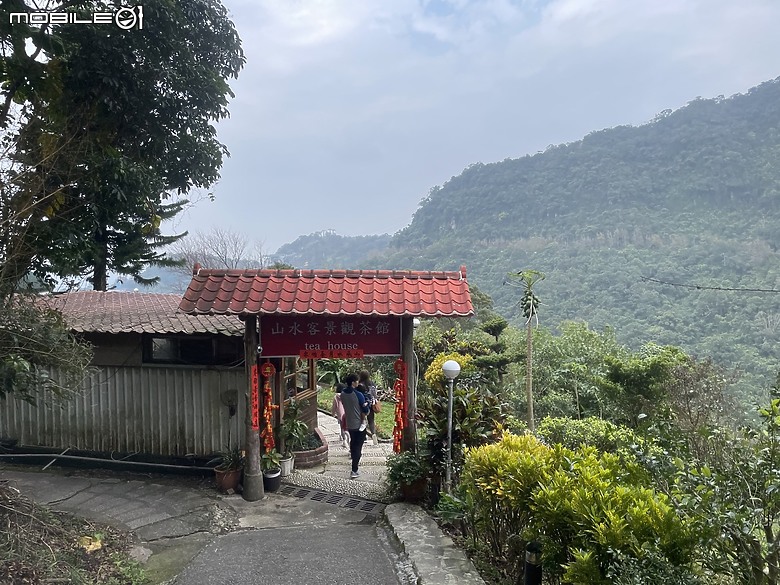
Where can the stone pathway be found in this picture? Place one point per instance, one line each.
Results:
(334, 475)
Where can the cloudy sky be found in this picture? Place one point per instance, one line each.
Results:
(349, 111)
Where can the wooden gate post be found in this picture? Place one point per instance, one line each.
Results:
(253, 477)
(409, 438)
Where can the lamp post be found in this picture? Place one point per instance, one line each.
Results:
(451, 369)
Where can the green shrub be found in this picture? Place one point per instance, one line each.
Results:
(294, 433)
(405, 469)
(477, 418)
(605, 436)
(585, 507)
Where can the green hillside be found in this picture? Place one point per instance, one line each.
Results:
(692, 198)
(327, 249)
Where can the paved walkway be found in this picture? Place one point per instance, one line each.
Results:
(334, 475)
(185, 528)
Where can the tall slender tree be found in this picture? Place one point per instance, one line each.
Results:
(529, 304)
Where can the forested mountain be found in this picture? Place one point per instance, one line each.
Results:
(326, 249)
(691, 198)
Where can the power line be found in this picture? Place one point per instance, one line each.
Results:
(702, 287)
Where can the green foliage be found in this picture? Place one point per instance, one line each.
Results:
(332, 371)
(488, 356)
(406, 468)
(326, 248)
(293, 432)
(570, 368)
(733, 493)
(270, 460)
(586, 508)
(37, 352)
(111, 128)
(230, 458)
(604, 435)
(477, 413)
(689, 198)
(494, 326)
(637, 382)
(434, 374)
(529, 303)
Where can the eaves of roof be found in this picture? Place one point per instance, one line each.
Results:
(136, 312)
(328, 292)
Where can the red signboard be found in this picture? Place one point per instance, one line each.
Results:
(290, 335)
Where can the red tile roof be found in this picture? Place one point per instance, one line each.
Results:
(136, 312)
(328, 292)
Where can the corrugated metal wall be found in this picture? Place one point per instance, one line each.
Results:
(162, 411)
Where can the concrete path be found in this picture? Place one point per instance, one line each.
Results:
(189, 534)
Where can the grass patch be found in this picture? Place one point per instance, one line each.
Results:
(385, 420)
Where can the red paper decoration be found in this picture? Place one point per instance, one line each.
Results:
(255, 399)
(400, 403)
(267, 434)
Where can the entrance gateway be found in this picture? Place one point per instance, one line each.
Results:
(300, 316)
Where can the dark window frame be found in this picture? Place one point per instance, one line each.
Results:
(194, 350)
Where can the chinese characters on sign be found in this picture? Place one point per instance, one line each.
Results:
(315, 336)
(339, 354)
(255, 399)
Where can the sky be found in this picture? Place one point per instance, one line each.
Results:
(348, 112)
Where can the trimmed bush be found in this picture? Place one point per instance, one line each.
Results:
(588, 509)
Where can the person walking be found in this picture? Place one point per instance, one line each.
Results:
(337, 410)
(355, 409)
(368, 388)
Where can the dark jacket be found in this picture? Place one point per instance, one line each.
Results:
(354, 404)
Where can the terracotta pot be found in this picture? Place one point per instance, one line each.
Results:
(227, 479)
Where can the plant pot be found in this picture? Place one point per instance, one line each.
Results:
(272, 480)
(227, 479)
(414, 492)
(288, 465)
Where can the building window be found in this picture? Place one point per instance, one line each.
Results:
(217, 350)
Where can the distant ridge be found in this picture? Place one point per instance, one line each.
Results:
(692, 196)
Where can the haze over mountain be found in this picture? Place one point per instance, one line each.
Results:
(691, 198)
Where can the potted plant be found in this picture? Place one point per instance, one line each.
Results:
(293, 434)
(287, 462)
(272, 471)
(407, 474)
(228, 469)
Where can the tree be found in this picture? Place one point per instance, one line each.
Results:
(37, 352)
(218, 248)
(526, 279)
(570, 370)
(638, 383)
(732, 491)
(110, 130)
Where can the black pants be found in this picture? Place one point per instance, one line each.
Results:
(356, 440)
(371, 423)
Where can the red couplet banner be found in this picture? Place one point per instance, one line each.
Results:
(255, 399)
(289, 335)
